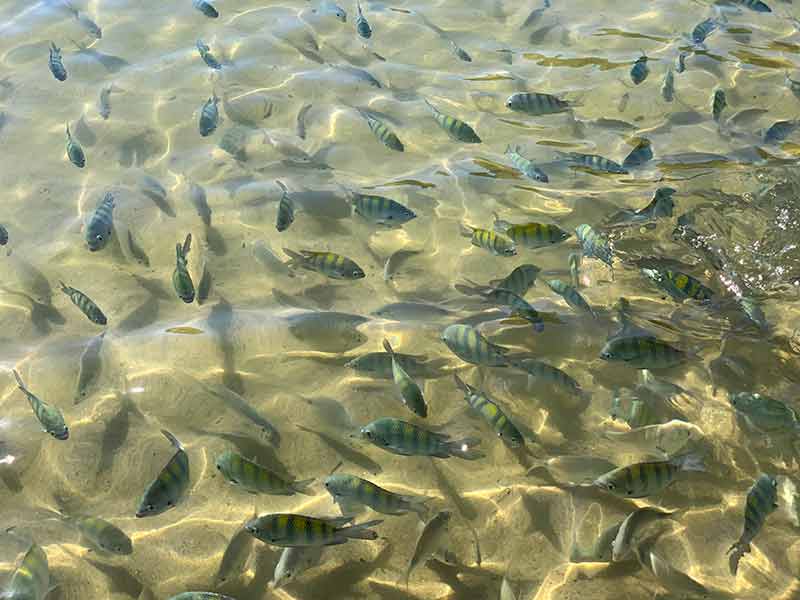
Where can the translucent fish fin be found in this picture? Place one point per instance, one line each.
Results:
(300, 486)
(172, 439)
(361, 531)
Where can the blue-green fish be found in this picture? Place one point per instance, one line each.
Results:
(641, 154)
(458, 130)
(329, 264)
(469, 345)
(31, 580)
(572, 296)
(382, 131)
(85, 304)
(209, 116)
(754, 5)
(101, 534)
(350, 491)
(74, 151)
(207, 56)
(56, 63)
(98, 232)
(407, 439)
(718, 104)
(594, 244)
(519, 281)
(491, 413)
(410, 392)
(206, 8)
(288, 530)
(381, 210)
(679, 286)
(525, 166)
(498, 245)
(362, 26)
(779, 131)
(285, 209)
(668, 86)
(764, 413)
(640, 70)
(181, 280)
(168, 487)
(642, 352)
(536, 103)
(256, 478)
(594, 162)
(762, 500)
(703, 29)
(538, 370)
(49, 416)
(647, 478)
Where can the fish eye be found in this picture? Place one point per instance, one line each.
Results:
(611, 487)
(169, 503)
(368, 434)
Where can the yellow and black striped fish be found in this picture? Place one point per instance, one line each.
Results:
(166, 490)
(536, 103)
(491, 413)
(531, 235)
(83, 302)
(647, 478)
(382, 131)
(469, 345)
(329, 264)
(256, 478)
(350, 491)
(381, 210)
(49, 416)
(410, 392)
(679, 286)
(498, 245)
(642, 352)
(407, 439)
(31, 580)
(100, 226)
(289, 530)
(455, 128)
(74, 151)
(285, 209)
(762, 500)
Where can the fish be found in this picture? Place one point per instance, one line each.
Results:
(793, 85)
(754, 5)
(679, 286)
(668, 86)
(349, 491)
(256, 478)
(594, 162)
(92, 28)
(594, 244)
(206, 8)
(382, 131)
(491, 413)
(285, 209)
(293, 562)
(301, 121)
(680, 62)
(85, 304)
(459, 52)
(239, 405)
(430, 541)
(395, 260)
(235, 557)
(647, 478)
(209, 116)
(381, 210)
(571, 296)
(702, 30)
(762, 500)
(469, 345)
(634, 523)
(264, 255)
(779, 131)
(104, 101)
(574, 269)
(525, 166)
(74, 151)
(407, 439)
(207, 56)
(640, 70)
(410, 392)
(31, 579)
(101, 224)
(642, 153)
(90, 365)
(3, 235)
(642, 352)
(499, 245)
(764, 413)
(519, 281)
(328, 331)
(600, 551)
(167, 489)
(359, 74)
(329, 264)
(659, 438)
(198, 199)
(537, 104)
(458, 130)
(290, 530)
(362, 26)
(380, 364)
(49, 416)
(718, 104)
(411, 311)
(660, 205)
(515, 305)
(56, 63)
(100, 534)
(181, 280)
(200, 595)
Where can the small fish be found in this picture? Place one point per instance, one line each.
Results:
(362, 26)
(460, 53)
(594, 244)
(83, 302)
(469, 345)
(659, 439)
(256, 478)
(538, 370)
(680, 62)
(498, 245)
(206, 8)
(329, 264)
(168, 487)
(382, 131)
(410, 392)
(660, 205)
(514, 305)
(703, 29)
(31, 580)
(492, 414)
(395, 260)
(642, 153)
(647, 478)
(200, 595)
(430, 541)
(779, 131)
(349, 491)
(718, 104)
(595, 162)
(198, 199)
(600, 551)
(207, 56)
(49, 416)
(764, 413)
(290, 530)
(56, 63)
(679, 286)
(101, 534)
(379, 364)
(754, 5)
(3, 235)
(525, 166)
(292, 562)
(668, 86)
(762, 500)
(181, 280)
(793, 85)
(642, 352)
(74, 151)
(98, 232)
(519, 281)
(86, 22)
(285, 209)
(633, 523)
(407, 439)
(209, 116)
(381, 210)
(104, 102)
(640, 70)
(572, 296)
(458, 130)
(623, 102)
(574, 269)
(537, 103)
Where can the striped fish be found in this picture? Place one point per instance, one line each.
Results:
(647, 478)
(200, 595)
(206, 8)
(101, 534)
(381, 210)
(362, 26)
(166, 490)
(470, 346)
(3, 235)
(492, 414)
(764, 413)
(410, 392)
(536, 103)
(498, 245)
(256, 478)
(455, 128)
(49, 416)
(668, 86)
(594, 244)
(56, 63)
(381, 131)
(290, 530)
(209, 116)
(525, 166)
(640, 70)
(755, 5)
(642, 153)
(571, 296)
(74, 151)
(207, 56)
(531, 235)
(31, 580)
(350, 491)
(779, 131)
(98, 232)
(642, 352)
(538, 370)
(515, 305)
(329, 264)
(181, 280)
(379, 364)
(703, 29)
(83, 302)
(718, 104)
(660, 205)
(679, 285)
(762, 500)
(285, 209)
(519, 281)
(594, 162)
(407, 439)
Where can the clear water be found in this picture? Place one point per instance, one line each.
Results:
(165, 364)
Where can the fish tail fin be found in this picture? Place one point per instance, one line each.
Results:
(465, 448)
(20, 384)
(54, 48)
(282, 186)
(689, 462)
(187, 245)
(465, 230)
(361, 531)
(388, 347)
(460, 383)
(64, 287)
(737, 551)
(172, 439)
(295, 258)
(300, 486)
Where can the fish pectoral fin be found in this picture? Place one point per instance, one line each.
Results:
(349, 507)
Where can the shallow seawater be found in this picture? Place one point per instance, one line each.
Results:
(264, 360)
